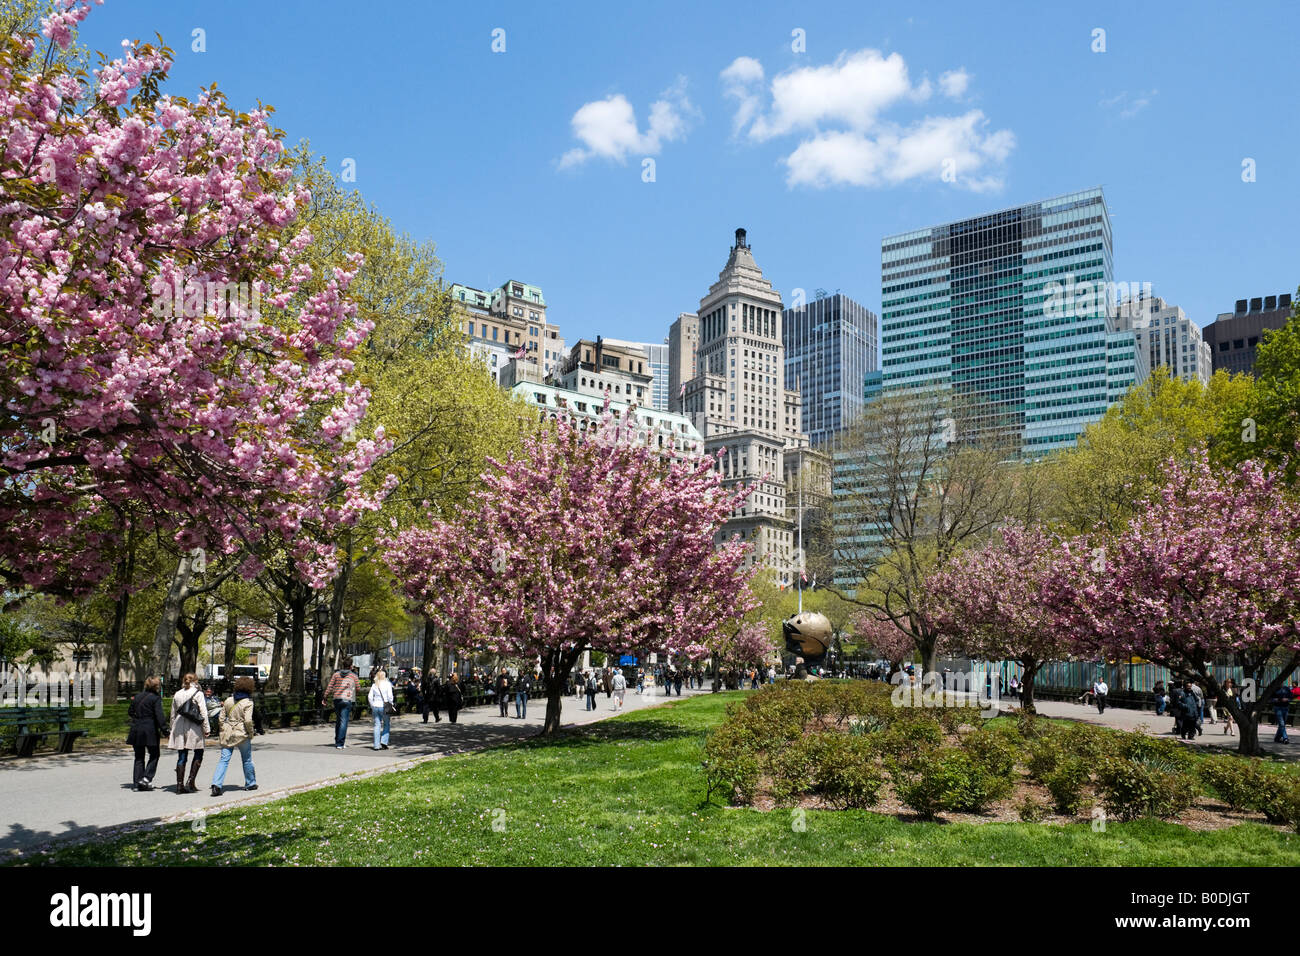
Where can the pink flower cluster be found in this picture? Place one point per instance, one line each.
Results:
(222, 426)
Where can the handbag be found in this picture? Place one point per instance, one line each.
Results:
(191, 710)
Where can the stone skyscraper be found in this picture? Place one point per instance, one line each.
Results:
(739, 402)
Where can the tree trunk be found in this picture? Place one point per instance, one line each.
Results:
(1027, 684)
(165, 633)
(297, 624)
(273, 678)
(430, 635)
(113, 656)
(555, 665)
(232, 639)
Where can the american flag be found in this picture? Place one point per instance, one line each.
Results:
(519, 352)
(681, 393)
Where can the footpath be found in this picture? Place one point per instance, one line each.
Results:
(80, 795)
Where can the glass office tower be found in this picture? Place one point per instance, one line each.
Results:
(830, 347)
(1012, 312)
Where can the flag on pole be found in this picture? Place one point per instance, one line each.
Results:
(681, 392)
(519, 352)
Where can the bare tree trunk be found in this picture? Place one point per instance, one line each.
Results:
(430, 639)
(297, 624)
(555, 665)
(165, 633)
(273, 679)
(1027, 684)
(232, 639)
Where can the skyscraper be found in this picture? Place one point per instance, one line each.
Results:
(1012, 312)
(739, 403)
(657, 364)
(830, 346)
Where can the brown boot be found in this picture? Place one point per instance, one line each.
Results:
(194, 772)
(180, 780)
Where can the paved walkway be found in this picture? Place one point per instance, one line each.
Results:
(76, 795)
(1121, 718)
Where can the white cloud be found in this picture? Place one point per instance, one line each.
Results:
(608, 128)
(896, 155)
(841, 109)
(1129, 106)
(853, 91)
(742, 81)
(953, 84)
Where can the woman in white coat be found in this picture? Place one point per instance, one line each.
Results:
(380, 699)
(189, 727)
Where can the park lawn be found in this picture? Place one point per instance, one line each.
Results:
(109, 727)
(629, 791)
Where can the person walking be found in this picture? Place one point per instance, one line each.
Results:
(189, 728)
(620, 689)
(1099, 692)
(382, 706)
(1198, 707)
(677, 682)
(592, 687)
(1191, 711)
(523, 686)
(213, 704)
(147, 728)
(342, 689)
(502, 687)
(1176, 707)
(414, 691)
(237, 731)
(453, 696)
(1158, 691)
(1281, 702)
(1226, 694)
(430, 688)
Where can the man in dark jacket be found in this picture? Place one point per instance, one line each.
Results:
(1281, 702)
(1176, 707)
(430, 688)
(147, 730)
(502, 688)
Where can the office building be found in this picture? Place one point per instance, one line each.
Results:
(1010, 312)
(508, 322)
(606, 366)
(656, 364)
(830, 346)
(663, 431)
(1166, 336)
(683, 342)
(739, 403)
(1234, 336)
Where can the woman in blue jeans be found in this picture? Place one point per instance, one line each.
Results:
(237, 734)
(380, 699)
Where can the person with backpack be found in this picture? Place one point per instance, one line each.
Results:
(237, 731)
(1099, 692)
(188, 730)
(592, 688)
(146, 731)
(342, 689)
(382, 708)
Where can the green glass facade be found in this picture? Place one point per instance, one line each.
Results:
(976, 307)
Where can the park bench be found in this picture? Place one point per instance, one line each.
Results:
(25, 726)
(281, 709)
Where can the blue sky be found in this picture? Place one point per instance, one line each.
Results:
(528, 164)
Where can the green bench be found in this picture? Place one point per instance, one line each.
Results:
(281, 709)
(27, 727)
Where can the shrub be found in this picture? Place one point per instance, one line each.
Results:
(1142, 788)
(1044, 754)
(1233, 779)
(1031, 810)
(1277, 795)
(847, 773)
(731, 763)
(912, 733)
(794, 765)
(947, 779)
(996, 750)
(1084, 740)
(1066, 782)
(1165, 755)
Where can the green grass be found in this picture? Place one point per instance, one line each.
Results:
(629, 791)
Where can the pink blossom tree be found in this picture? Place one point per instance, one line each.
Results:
(1209, 569)
(164, 354)
(582, 540)
(883, 637)
(989, 602)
